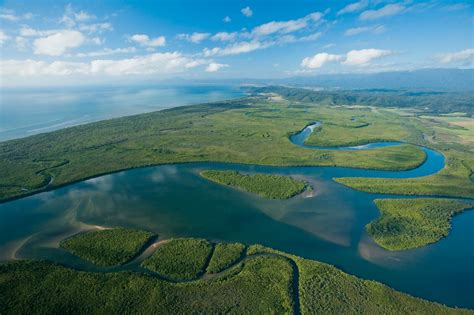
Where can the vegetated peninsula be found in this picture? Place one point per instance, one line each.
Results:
(107, 247)
(411, 223)
(258, 280)
(265, 185)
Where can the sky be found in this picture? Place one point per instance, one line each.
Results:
(77, 42)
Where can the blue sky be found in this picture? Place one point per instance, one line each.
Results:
(52, 42)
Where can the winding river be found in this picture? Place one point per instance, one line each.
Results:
(326, 225)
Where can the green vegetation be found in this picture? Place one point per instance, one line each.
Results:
(411, 223)
(430, 101)
(224, 256)
(180, 259)
(261, 286)
(455, 180)
(265, 185)
(324, 289)
(240, 131)
(266, 281)
(107, 247)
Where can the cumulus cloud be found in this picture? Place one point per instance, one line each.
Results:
(3, 38)
(364, 56)
(195, 37)
(145, 40)
(377, 29)
(247, 11)
(354, 7)
(157, 63)
(57, 43)
(214, 67)
(224, 36)
(227, 19)
(388, 10)
(352, 58)
(318, 60)
(464, 57)
(21, 42)
(285, 27)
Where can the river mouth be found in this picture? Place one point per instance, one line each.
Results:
(174, 201)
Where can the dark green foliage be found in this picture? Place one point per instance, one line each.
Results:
(267, 282)
(107, 247)
(261, 287)
(442, 102)
(410, 223)
(266, 185)
(180, 259)
(324, 289)
(224, 256)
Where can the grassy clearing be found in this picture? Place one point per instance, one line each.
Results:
(224, 256)
(107, 247)
(180, 259)
(265, 185)
(411, 223)
(222, 132)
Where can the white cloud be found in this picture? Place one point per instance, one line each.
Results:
(318, 60)
(224, 36)
(354, 7)
(352, 58)
(83, 16)
(388, 10)
(21, 42)
(145, 40)
(3, 38)
(108, 51)
(227, 19)
(465, 56)
(214, 67)
(194, 37)
(235, 49)
(247, 11)
(157, 63)
(364, 56)
(311, 37)
(96, 27)
(377, 29)
(56, 44)
(285, 27)
(9, 15)
(70, 17)
(27, 31)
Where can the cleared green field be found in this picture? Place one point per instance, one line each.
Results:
(107, 247)
(266, 281)
(180, 259)
(411, 223)
(224, 256)
(265, 185)
(240, 131)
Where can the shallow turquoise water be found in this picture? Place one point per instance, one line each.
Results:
(173, 200)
